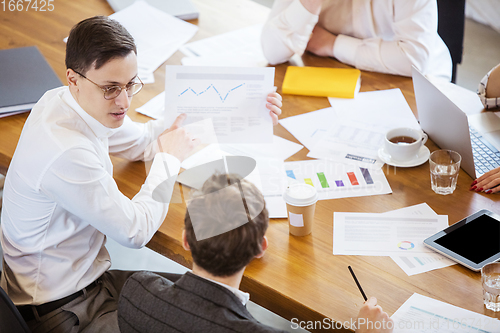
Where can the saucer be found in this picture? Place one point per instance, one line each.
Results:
(421, 158)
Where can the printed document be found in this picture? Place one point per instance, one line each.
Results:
(421, 314)
(235, 99)
(360, 127)
(380, 235)
(157, 34)
(337, 180)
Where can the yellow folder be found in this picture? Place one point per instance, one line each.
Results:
(322, 81)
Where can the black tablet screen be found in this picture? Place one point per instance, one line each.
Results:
(477, 240)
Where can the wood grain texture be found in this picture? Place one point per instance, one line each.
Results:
(298, 277)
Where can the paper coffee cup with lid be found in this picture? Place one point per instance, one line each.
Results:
(300, 204)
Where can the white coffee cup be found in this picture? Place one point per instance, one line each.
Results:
(403, 144)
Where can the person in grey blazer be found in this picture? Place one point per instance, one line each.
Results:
(208, 299)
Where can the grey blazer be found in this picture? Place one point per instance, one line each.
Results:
(151, 303)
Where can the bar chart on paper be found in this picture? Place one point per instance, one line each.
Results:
(337, 180)
(234, 98)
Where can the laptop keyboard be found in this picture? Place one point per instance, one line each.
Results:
(486, 156)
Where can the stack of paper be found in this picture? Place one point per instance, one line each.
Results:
(319, 81)
(157, 34)
(399, 234)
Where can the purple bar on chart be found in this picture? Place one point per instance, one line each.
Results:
(339, 183)
(290, 174)
(366, 176)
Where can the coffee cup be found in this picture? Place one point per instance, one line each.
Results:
(403, 144)
(300, 204)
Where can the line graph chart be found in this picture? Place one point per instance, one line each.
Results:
(212, 87)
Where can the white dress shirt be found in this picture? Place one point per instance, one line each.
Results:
(61, 201)
(488, 102)
(387, 36)
(241, 295)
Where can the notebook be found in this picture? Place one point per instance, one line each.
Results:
(475, 137)
(322, 81)
(183, 9)
(25, 76)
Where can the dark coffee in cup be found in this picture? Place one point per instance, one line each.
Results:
(402, 140)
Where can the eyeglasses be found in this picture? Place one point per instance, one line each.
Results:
(112, 92)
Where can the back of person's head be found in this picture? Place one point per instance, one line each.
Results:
(95, 41)
(229, 252)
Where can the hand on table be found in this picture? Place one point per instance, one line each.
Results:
(487, 182)
(274, 105)
(372, 318)
(176, 140)
(321, 42)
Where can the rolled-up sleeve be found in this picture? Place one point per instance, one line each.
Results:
(287, 31)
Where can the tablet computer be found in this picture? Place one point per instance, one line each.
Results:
(472, 242)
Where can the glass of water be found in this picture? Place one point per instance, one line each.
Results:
(445, 165)
(490, 276)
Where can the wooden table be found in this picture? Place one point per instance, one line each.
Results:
(299, 277)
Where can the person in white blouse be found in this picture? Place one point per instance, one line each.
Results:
(60, 199)
(489, 94)
(387, 36)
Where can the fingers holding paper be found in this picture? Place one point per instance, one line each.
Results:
(487, 183)
(372, 318)
(274, 104)
(176, 140)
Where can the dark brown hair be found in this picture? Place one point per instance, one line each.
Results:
(227, 253)
(95, 41)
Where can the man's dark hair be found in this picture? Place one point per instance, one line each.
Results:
(227, 253)
(95, 41)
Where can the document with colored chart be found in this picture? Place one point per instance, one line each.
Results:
(337, 180)
(369, 234)
(233, 97)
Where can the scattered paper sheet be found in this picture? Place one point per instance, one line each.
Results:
(337, 180)
(155, 107)
(239, 48)
(309, 127)
(359, 130)
(419, 263)
(157, 34)
(427, 315)
(381, 235)
(235, 99)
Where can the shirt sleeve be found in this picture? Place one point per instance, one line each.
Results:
(415, 32)
(489, 103)
(132, 140)
(287, 31)
(79, 182)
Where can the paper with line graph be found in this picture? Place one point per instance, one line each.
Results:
(234, 98)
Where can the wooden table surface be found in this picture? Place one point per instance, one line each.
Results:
(299, 277)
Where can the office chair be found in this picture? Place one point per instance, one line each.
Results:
(10, 319)
(451, 21)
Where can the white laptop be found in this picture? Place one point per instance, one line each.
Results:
(447, 123)
(183, 9)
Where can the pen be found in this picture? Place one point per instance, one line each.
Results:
(357, 283)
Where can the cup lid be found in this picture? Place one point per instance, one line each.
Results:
(300, 195)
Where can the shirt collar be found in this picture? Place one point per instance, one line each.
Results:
(242, 296)
(99, 129)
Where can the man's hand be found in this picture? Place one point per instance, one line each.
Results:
(372, 318)
(487, 183)
(176, 140)
(274, 105)
(321, 42)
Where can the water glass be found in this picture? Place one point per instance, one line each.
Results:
(490, 276)
(444, 165)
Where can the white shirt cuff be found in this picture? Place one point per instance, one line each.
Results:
(344, 49)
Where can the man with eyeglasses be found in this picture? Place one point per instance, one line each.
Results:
(60, 198)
